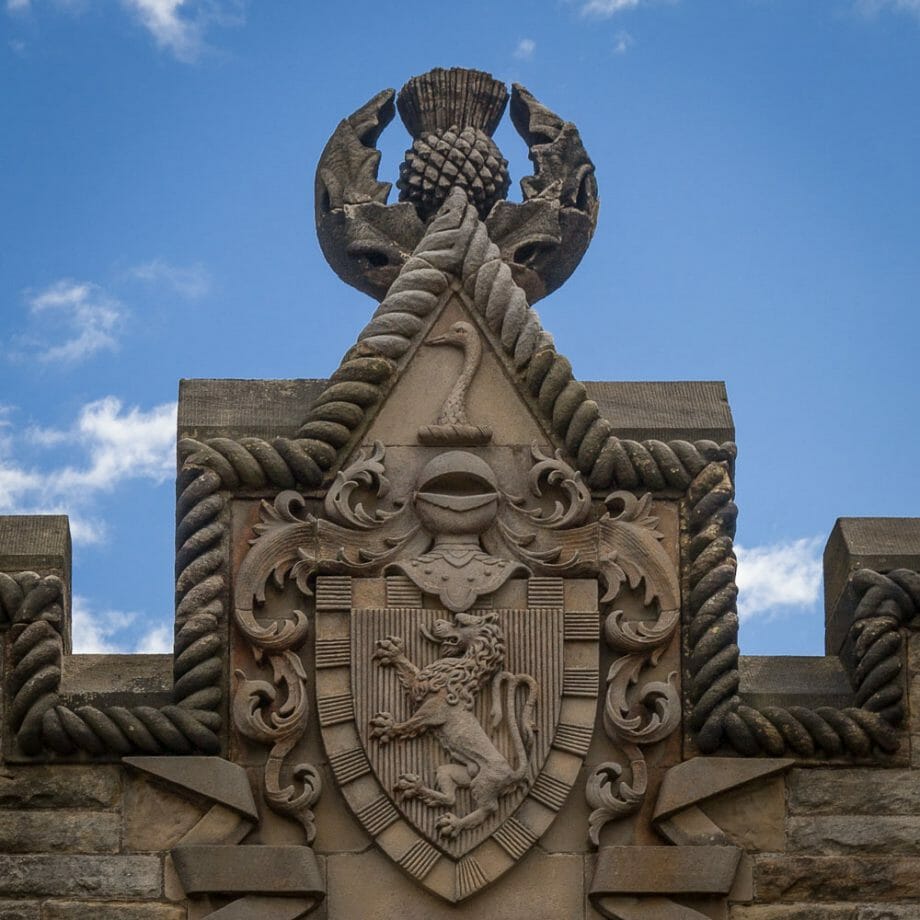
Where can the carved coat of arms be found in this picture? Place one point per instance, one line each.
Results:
(456, 650)
(453, 558)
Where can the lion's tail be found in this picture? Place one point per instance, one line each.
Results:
(522, 731)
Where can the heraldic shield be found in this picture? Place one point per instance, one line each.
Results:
(456, 737)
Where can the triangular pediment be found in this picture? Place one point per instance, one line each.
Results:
(522, 392)
(493, 401)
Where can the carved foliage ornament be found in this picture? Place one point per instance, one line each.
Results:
(450, 732)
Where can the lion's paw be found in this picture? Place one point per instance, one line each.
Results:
(449, 825)
(382, 726)
(389, 649)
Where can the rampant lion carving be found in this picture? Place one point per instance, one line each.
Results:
(443, 695)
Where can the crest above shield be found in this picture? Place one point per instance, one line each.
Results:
(451, 115)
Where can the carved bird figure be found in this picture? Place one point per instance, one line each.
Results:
(453, 425)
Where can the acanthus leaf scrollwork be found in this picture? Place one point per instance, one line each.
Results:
(550, 535)
(622, 547)
(291, 543)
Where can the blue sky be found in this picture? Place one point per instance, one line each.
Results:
(757, 170)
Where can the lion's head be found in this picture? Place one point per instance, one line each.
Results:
(457, 636)
(473, 649)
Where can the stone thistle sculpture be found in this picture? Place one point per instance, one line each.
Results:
(451, 115)
(456, 633)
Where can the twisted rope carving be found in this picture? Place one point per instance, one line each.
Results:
(38, 716)
(34, 606)
(886, 602)
(285, 463)
(456, 247)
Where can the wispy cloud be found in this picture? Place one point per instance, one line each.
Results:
(525, 49)
(93, 631)
(180, 35)
(605, 9)
(114, 444)
(158, 640)
(189, 281)
(110, 631)
(119, 444)
(70, 321)
(87, 316)
(622, 42)
(779, 578)
(106, 446)
(179, 26)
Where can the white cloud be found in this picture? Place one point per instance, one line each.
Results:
(89, 317)
(115, 444)
(15, 482)
(120, 444)
(173, 32)
(525, 49)
(99, 632)
(622, 42)
(191, 282)
(179, 26)
(93, 631)
(156, 641)
(779, 577)
(604, 9)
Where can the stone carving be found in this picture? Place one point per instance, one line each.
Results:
(622, 547)
(506, 709)
(455, 247)
(488, 697)
(268, 882)
(456, 501)
(718, 715)
(443, 695)
(293, 544)
(42, 720)
(451, 115)
(702, 856)
(453, 427)
(275, 712)
(449, 624)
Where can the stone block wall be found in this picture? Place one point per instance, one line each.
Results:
(80, 842)
(84, 842)
(106, 835)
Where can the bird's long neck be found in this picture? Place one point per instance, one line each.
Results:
(454, 409)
